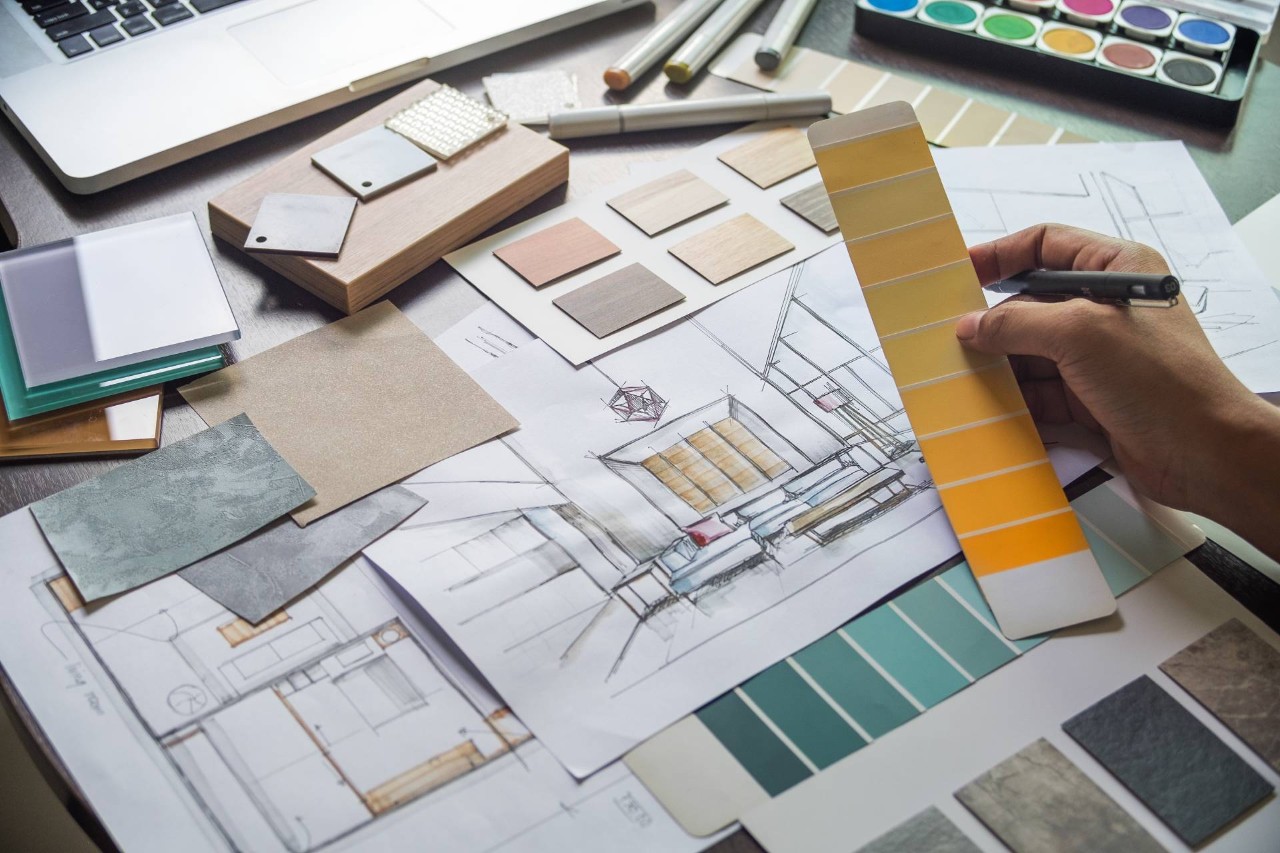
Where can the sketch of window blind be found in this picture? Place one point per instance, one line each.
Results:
(714, 465)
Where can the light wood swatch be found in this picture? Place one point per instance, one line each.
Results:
(771, 157)
(402, 232)
(554, 252)
(732, 247)
(666, 202)
(618, 299)
(813, 205)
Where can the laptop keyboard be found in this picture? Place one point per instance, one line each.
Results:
(82, 26)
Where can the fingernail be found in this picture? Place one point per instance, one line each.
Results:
(967, 326)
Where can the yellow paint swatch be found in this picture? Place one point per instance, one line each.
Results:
(1000, 493)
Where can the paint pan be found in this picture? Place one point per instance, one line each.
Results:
(1133, 57)
(1071, 42)
(1088, 13)
(955, 14)
(1189, 72)
(900, 8)
(1044, 7)
(1145, 21)
(1203, 36)
(1003, 25)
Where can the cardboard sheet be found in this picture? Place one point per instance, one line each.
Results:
(356, 405)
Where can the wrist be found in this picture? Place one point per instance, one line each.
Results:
(1241, 486)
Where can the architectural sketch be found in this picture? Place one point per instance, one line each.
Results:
(593, 552)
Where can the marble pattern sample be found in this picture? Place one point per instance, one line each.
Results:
(771, 157)
(260, 574)
(930, 830)
(732, 247)
(1037, 801)
(154, 515)
(668, 201)
(814, 206)
(618, 299)
(555, 252)
(1180, 769)
(1236, 675)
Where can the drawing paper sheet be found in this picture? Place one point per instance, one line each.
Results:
(1258, 231)
(1150, 192)
(187, 729)
(558, 558)
(533, 307)
(869, 792)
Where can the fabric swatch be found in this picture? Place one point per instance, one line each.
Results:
(732, 247)
(666, 202)
(618, 299)
(259, 575)
(554, 252)
(930, 830)
(154, 515)
(529, 97)
(1037, 801)
(813, 205)
(355, 405)
(771, 157)
(1236, 675)
(1192, 780)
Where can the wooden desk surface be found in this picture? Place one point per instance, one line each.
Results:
(1240, 164)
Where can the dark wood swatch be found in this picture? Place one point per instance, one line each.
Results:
(618, 299)
(814, 206)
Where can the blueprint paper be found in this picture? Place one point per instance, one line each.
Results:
(260, 574)
(177, 722)
(1150, 192)
(557, 559)
(154, 515)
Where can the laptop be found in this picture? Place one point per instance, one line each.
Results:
(108, 90)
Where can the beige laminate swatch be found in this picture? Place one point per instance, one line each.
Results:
(814, 206)
(355, 405)
(554, 252)
(618, 299)
(668, 201)
(731, 247)
(771, 157)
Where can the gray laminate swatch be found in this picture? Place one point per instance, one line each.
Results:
(1236, 675)
(1037, 801)
(259, 575)
(1182, 771)
(154, 515)
(814, 206)
(930, 830)
(618, 299)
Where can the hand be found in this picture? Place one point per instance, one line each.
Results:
(1184, 430)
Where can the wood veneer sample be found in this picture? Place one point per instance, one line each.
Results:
(129, 423)
(666, 202)
(618, 299)
(402, 232)
(555, 252)
(771, 157)
(813, 205)
(732, 247)
(1019, 534)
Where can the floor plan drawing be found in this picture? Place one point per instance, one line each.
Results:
(597, 558)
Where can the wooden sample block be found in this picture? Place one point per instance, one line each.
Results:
(668, 201)
(772, 157)
(812, 205)
(618, 299)
(405, 230)
(1018, 532)
(720, 253)
(554, 252)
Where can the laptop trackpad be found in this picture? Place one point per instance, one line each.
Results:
(319, 38)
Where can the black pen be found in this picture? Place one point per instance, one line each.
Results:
(1138, 290)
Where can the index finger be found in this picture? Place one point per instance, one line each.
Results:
(1060, 247)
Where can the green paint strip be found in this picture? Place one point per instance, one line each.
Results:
(855, 685)
(970, 643)
(804, 716)
(769, 761)
(905, 655)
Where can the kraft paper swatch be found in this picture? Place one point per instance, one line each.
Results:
(355, 405)
(259, 575)
(154, 515)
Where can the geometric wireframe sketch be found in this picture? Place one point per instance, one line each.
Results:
(638, 403)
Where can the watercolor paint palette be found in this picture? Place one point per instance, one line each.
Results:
(1144, 54)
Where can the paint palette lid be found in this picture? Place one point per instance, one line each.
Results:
(1088, 11)
(953, 14)
(1203, 35)
(1145, 20)
(1189, 72)
(901, 8)
(1007, 26)
(1069, 42)
(1132, 57)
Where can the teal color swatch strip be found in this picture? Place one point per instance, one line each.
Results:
(889, 664)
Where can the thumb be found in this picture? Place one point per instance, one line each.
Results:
(1015, 327)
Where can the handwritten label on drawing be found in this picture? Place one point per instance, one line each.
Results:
(634, 812)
